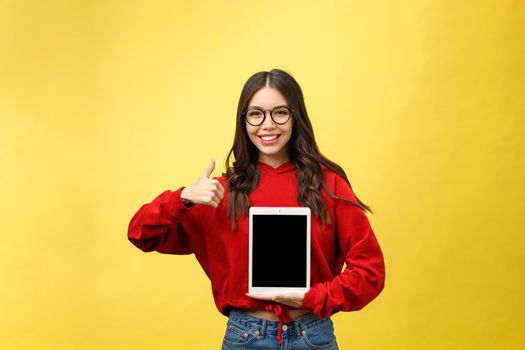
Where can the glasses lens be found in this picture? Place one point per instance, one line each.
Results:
(280, 115)
(254, 116)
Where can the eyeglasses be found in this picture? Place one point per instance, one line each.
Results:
(255, 116)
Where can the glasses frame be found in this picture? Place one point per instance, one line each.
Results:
(290, 111)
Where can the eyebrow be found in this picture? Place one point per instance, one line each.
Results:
(271, 108)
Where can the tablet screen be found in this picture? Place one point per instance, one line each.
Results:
(279, 250)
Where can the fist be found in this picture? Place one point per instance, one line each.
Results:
(205, 190)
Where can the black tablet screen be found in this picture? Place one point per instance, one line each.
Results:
(279, 251)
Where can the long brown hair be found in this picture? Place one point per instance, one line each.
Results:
(242, 173)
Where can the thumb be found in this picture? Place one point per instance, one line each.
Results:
(209, 170)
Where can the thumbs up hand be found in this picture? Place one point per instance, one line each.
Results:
(204, 191)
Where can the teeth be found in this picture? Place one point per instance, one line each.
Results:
(268, 138)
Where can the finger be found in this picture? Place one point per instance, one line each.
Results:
(291, 299)
(288, 302)
(261, 296)
(218, 192)
(218, 185)
(215, 199)
(208, 200)
(291, 296)
(209, 170)
(281, 298)
(221, 188)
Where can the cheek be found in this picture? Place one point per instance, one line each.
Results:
(289, 132)
(251, 133)
(289, 129)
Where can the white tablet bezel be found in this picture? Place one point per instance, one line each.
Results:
(280, 211)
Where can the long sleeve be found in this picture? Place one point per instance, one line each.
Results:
(159, 226)
(364, 275)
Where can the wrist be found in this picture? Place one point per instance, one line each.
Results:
(187, 203)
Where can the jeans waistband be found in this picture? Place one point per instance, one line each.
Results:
(242, 319)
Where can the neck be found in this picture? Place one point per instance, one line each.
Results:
(273, 161)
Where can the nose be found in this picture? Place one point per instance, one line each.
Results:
(268, 122)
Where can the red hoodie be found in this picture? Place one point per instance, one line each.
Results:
(166, 225)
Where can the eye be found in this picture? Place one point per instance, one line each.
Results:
(254, 113)
(281, 111)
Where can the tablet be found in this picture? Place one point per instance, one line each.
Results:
(279, 250)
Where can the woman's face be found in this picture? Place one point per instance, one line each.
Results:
(271, 139)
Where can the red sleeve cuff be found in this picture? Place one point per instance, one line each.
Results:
(309, 301)
(176, 205)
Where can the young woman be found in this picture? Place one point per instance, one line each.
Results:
(275, 163)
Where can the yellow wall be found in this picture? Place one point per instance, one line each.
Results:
(105, 104)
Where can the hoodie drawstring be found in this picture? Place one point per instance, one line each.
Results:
(283, 317)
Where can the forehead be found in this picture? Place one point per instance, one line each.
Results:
(267, 98)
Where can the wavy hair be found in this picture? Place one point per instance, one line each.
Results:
(242, 173)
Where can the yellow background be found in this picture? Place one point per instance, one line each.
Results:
(105, 104)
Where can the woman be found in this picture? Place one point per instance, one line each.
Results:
(276, 163)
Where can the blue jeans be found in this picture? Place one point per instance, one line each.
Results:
(245, 331)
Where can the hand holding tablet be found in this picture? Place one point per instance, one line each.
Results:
(290, 299)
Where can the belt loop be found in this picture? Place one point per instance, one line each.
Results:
(263, 328)
(297, 328)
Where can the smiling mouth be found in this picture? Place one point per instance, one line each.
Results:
(269, 138)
